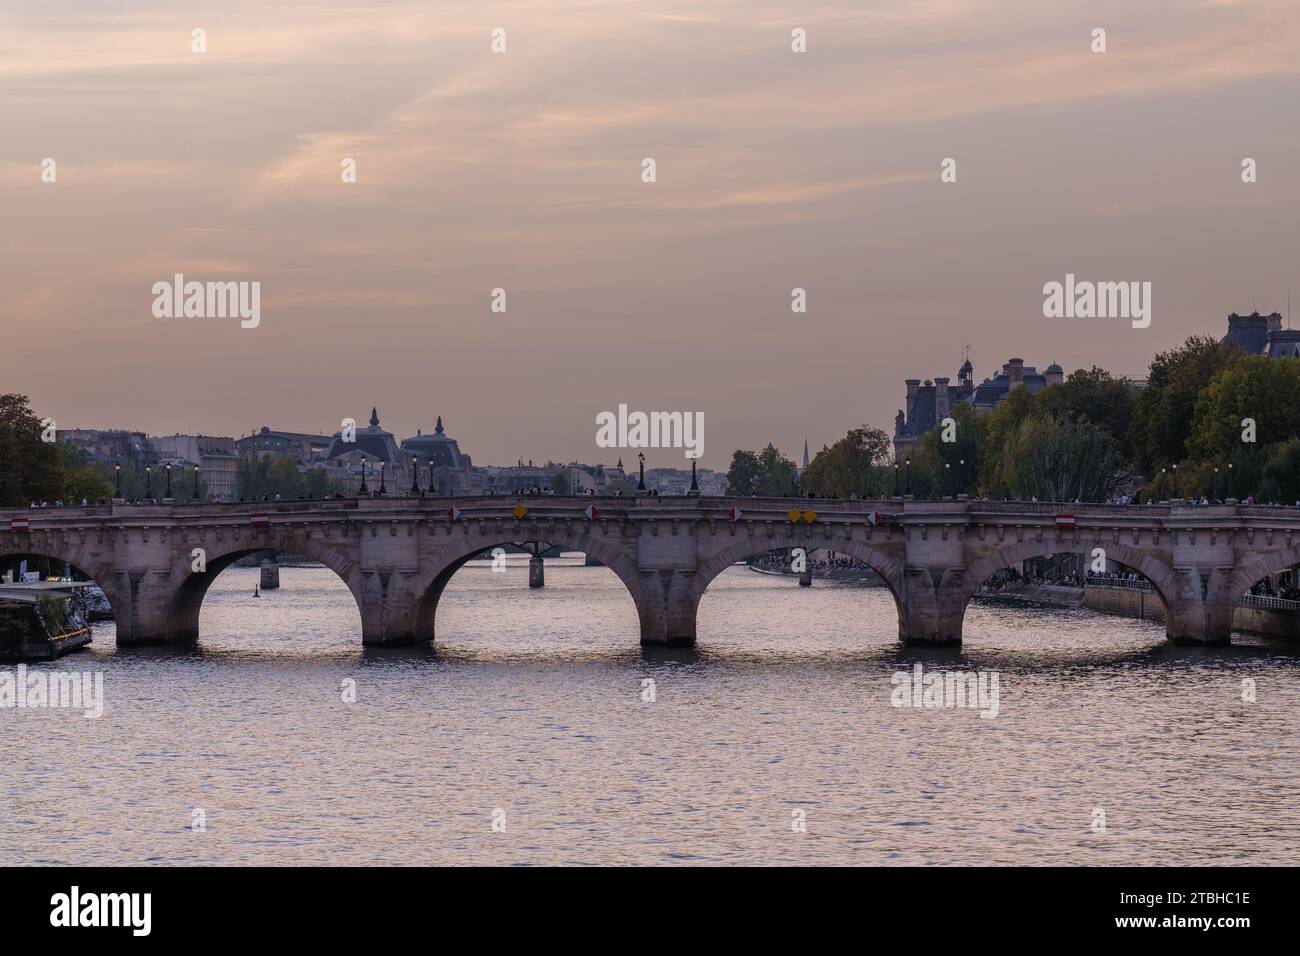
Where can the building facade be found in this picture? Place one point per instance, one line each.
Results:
(929, 403)
(1263, 335)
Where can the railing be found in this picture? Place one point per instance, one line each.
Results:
(1110, 581)
(1269, 603)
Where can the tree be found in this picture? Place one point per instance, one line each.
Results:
(856, 465)
(1256, 400)
(745, 474)
(1281, 478)
(1093, 396)
(560, 483)
(1163, 413)
(1058, 460)
(999, 431)
(943, 468)
(780, 477)
(30, 469)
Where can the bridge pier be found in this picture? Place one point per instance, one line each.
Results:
(933, 605)
(666, 602)
(1203, 607)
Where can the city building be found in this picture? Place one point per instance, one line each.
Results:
(1263, 335)
(444, 468)
(304, 448)
(374, 459)
(930, 403)
(111, 446)
(215, 457)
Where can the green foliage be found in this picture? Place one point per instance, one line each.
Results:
(856, 465)
(560, 483)
(767, 474)
(1163, 413)
(744, 475)
(1093, 396)
(944, 468)
(1281, 473)
(1055, 459)
(30, 469)
(1256, 387)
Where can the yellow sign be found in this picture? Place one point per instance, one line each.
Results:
(520, 511)
(794, 514)
(810, 516)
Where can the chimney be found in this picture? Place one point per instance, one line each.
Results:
(1015, 370)
(913, 386)
(941, 403)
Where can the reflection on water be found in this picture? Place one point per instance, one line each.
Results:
(532, 704)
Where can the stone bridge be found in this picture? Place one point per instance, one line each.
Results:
(396, 555)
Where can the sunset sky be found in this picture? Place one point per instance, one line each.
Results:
(522, 170)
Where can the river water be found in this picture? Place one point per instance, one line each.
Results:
(1108, 746)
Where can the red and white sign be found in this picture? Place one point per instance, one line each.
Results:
(19, 524)
(735, 514)
(453, 512)
(1065, 521)
(259, 520)
(875, 517)
(591, 512)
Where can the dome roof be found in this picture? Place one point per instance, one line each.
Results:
(372, 441)
(438, 449)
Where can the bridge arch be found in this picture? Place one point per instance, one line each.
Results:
(95, 568)
(744, 548)
(188, 588)
(1254, 570)
(437, 570)
(1160, 575)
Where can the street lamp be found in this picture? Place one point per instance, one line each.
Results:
(148, 481)
(1175, 478)
(695, 488)
(895, 495)
(947, 476)
(169, 480)
(363, 490)
(1216, 481)
(908, 462)
(415, 477)
(196, 482)
(1230, 474)
(118, 469)
(640, 485)
(383, 488)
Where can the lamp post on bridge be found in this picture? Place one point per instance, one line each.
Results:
(363, 491)
(415, 478)
(909, 477)
(383, 488)
(895, 480)
(118, 469)
(640, 485)
(148, 482)
(168, 493)
(695, 488)
(196, 482)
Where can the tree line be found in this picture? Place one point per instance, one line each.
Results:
(1212, 422)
